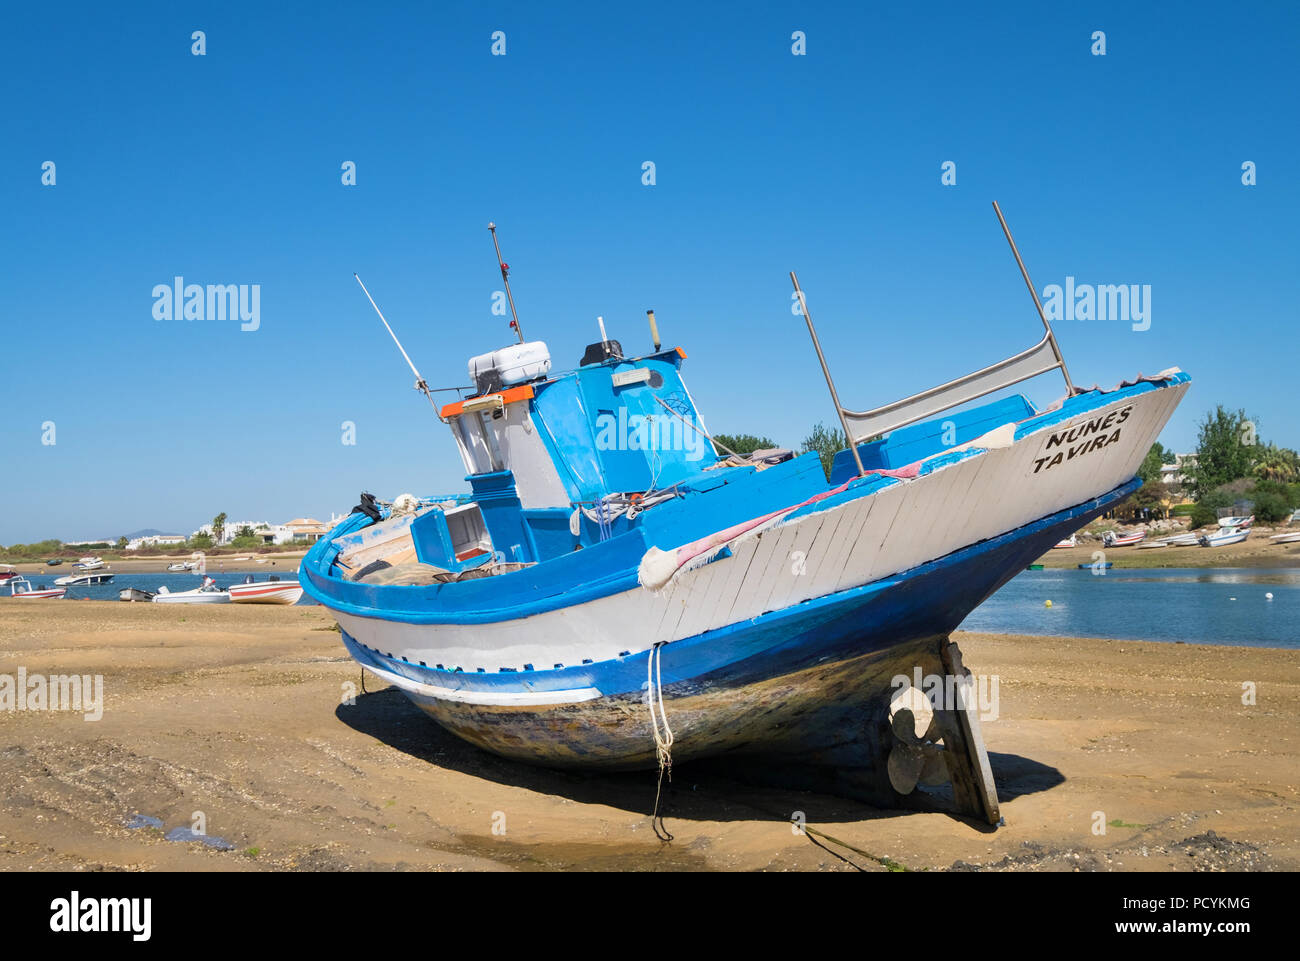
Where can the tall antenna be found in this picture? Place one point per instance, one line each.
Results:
(419, 381)
(505, 278)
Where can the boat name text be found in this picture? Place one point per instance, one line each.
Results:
(1082, 438)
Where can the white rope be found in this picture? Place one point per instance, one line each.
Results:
(655, 692)
(664, 740)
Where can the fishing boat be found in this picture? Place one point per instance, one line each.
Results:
(134, 594)
(613, 592)
(22, 589)
(209, 593)
(180, 567)
(90, 564)
(1286, 537)
(79, 580)
(271, 591)
(54, 562)
(1113, 539)
(1225, 536)
(1071, 541)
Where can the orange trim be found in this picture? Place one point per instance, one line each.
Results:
(513, 395)
(681, 352)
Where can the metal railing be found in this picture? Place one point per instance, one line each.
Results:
(1044, 357)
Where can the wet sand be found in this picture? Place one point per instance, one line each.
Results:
(236, 712)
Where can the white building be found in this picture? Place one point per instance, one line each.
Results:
(232, 529)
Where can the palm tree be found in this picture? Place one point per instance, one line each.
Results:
(219, 527)
(1278, 464)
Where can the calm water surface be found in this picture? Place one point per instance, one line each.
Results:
(1204, 605)
(151, 581)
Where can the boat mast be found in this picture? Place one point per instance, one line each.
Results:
(1056, 349)
(835, 397)
(505, 279)
(420, 383)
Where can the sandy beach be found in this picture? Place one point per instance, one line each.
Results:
(238, 713)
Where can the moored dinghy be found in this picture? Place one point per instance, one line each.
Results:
(596, 600)
(209, 593)
(79, 580)
(271, 591)
(21, 589)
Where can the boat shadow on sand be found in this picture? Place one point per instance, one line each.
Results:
(712, 789)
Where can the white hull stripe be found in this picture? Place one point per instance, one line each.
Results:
(521, 699)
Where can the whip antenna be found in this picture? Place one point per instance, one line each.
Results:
(420, 383)
(505, 279)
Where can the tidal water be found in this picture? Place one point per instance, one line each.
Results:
(151, 581)
(1202, 606)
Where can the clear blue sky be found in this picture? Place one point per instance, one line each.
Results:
(225, 169)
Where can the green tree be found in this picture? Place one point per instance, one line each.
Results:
(1226, 450)
(1156, 458)
(744, 443)
(826, 443)
(200, 542)
(244, 531)
(121, 543)
(219, 526)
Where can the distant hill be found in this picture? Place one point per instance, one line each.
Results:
(147, 532)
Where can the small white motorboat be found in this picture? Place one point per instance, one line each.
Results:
(1225, 536)
(271, 591)
(1150, 545)
(79, 580)
(1071, 541)
(180, 567)
(209, 593)
(1122, 540)
(1286, 537)
(90, 564)
(1183, 540)
(6, 572)
(20, 587)
(1240, 522)
(134, 594)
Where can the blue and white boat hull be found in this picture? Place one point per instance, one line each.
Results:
(782, 643)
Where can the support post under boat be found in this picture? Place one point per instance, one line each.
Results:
(882, 761)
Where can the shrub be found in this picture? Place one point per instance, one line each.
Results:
(1271, 508)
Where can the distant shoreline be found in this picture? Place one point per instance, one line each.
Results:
(159, 562)
(1249, 554)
